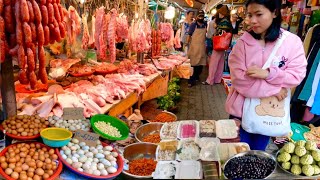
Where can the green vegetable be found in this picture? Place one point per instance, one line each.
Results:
(296, 169)
(301, 143)
(308, 170)
(286, 165)
(289, 147)
(284, 157)
(295, 159)
(310, 145)
(300, 151)
(316, 155)
(316, 169)
(173, 95)
(306, 159)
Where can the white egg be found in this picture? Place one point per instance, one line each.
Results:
(86, 129)
(110, 157)
(77, 146)
(83, 126)
(94, 167)
(106, 153)
(78, 127)
(100, 151)
(92, 148)
(99, 156)
(98, 142)
(69, 161)
(67, 151)
(59, 121)
(111, 170)
(89, 171)
(70, 144)
(83, 159)
(66, 125)
(76, 165)
(85, 151)
(82, 144)
(73, 148)
(74, 159)
(80, 151)
(76, 141)
(62, 126)
(50, 118)
(70, 121)
(100, 166)
(96, 172)
(64, 156)
(86, 166)
(89, 160)
(114, 163)
(53, 121)
(72, 128)
(89, 154)
(108, 148)
(73, 152)
(99, 147)
(85, 147)
(106, 162)
(64, 148)
(80, 169)
(114, 154)
(104, 172)
(95, 151)
(95, 160)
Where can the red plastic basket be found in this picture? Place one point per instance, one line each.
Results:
(20, 137)
(54, 175)
(90, 176)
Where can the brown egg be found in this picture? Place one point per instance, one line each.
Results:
(49, 166)
(42, 158)
(50, 172)
(46, 123)
(39, 164)
(13, 127)
(47, 161)
(39, 171)
(15, 175)
(12, 160)
(24, 149)
(4, 165)
(38, 146)
(23, 172)
(32, 145)
(12, 154)
(46, 155)
(23, 154)
(37, 121)
(14, 132)
(10, 150)
(27, 130)
(54, 167)
(41, 152)
(31, 164)
(36, 177)
(18, 125)
(24, 167)
(22, 160)
(12, 165)
(20, 130)
(44, 149)
(31, 126)
(23, 177)
(17, 169)
(54, 157)
(2, 159)
(17, 151)
(51, 151)
(31, 169)
(35, 157)
(30, 174)
(8, 171)
(24, 134)
(46, 176)
(17, 158)
(25, 126)
(30, 134)
(19, 164)
(29, 178)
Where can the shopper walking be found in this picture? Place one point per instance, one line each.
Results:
(210, 32)
(235, 22)
(216, 61)
(264, 64)
(185, 29)
(197, 49)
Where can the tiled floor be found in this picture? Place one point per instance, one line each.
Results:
(202, 101)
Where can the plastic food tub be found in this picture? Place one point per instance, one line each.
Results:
(115, 122)
(54, 176)
(91, 176)
(56, 137)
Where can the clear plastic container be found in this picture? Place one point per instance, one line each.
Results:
(227, 150)
(227, 129)
(166, 150)
(169, 130)
(165, 170)
(207, 128)
(188, 150)
(188, 129)
(209, 152)
(189, 170)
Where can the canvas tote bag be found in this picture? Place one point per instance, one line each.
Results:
(268, 116)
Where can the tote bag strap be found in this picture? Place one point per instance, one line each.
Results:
(275, 49)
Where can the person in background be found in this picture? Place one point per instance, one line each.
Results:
(210, 32)
(196, 41)
(177, 40)
(185, 28)
(216, 62)
(250, 54)
(235, 22)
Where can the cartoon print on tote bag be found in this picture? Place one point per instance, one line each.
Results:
(270, 106)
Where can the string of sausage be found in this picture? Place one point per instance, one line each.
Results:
(30, 25)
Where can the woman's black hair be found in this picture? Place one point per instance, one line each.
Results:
(273, 32)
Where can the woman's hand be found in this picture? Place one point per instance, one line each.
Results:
(282, 94)
(258, 73)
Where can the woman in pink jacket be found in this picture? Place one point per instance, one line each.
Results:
(249, 55)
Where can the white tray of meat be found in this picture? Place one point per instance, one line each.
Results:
(188, 129)
(226, 129)
(166, 150)
(189, 170)
(169, 130)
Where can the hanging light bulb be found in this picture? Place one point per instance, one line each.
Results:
(82, 1)
(214, 11)
(233, 11)
(169, 13)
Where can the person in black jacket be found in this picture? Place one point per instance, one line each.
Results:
(235, 21)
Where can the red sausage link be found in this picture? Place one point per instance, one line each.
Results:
(14, 51)
(49, 1)
(23, 78)
(33, 80)
(44, 14)
(57, 34)
(50, 13)
(37, 12)
(61, 12)
(40, 35)
(31, 12)
(62, 30)
(52, 38)
(33, 32)
(21, 57)
(2, 51)
(43, 2)
(43, 76)
(57, 12)
(46, 35)
(8, 19)
(2, 29)
(41, 57)
(1, 6)
(7, 2)
(24, 11)
(27, 34)
(19, 33)
(12, 40)
(31, 62)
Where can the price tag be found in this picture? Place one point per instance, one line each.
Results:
(72, 113)
(89, 138)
